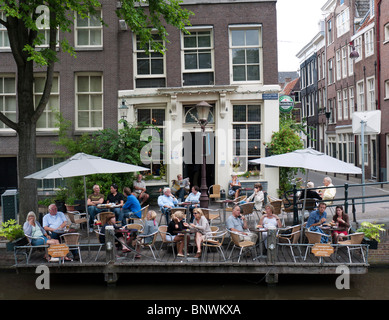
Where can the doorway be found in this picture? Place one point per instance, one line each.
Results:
(193, 157)
(8, 173)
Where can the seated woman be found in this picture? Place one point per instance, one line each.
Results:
(341, 220)
(269, 219)
(234, 186)
(175, 226)
(201, 225)
(32, 228)
(151, 226)
(111, 221)
(257, 197)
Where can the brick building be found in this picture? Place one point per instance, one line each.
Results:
(229, 60)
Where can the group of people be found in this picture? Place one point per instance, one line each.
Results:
(128, 204)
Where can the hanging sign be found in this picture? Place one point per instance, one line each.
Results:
(322, 250)
(286, 103)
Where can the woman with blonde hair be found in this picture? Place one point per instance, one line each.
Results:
(269, 220)
(174, 227)
(151, 226)
(201, 225)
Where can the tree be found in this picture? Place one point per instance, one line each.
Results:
(23, 19)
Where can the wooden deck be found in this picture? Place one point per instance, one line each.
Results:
(166, 263)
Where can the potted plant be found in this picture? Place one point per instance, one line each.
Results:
(44, 204)
(71, 203)
(372, 233)
(61, 196)
(14, 233)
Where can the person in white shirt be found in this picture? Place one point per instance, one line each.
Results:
(328, 193)
(194, 199)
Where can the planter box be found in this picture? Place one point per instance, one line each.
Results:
(18, 242)
(373, 244)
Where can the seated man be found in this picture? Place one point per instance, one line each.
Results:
(194, 199)
(93, 200)
(180, 187)
(53, 221)
(317, 218)
(118, 199)
(329, 193)
(140, 190)
(166, 202)
(132, 208)
(237, 222)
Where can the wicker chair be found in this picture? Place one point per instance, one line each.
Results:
(313, 237)
(243, 245)
(150, 245)
(163, 232)
(354, 243)
(72, 240)
(214, 241)
(290, 238)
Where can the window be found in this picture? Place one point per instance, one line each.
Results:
(198, 52)
(49, 184)
(319, 67)
(340, 104)
(370, 94)
(358, 48)
(89, 101)
(246, 53)
(386, 32)
(156, 117)
(361, 96)
(330, 72)
(338, 66)
(329, 32)
(350, 62)
(89, 31)
(351, 148)
(324, 66)
(351, 100)
(386, 89)
(345, 104)
(247, 135)
(4, 40)
(150, 68)
(344, 62)
(343, 22)
(47, 119)
(369, 43)
(7, 99)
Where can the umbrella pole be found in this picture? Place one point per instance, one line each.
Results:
(87, 214)
(302, 213)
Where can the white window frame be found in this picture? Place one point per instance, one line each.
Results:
(358, 48)
(350, 62)
(4, 40)
(343, 22)
(344, 62)
(330, 32)
(338, 65)
(4, 96)
(49, 109)
(386, 89)
(339, 104)
(259, 46)
(369, 43)
(361, 96)
(386, 33)
(330, 71)
(89, 94)
(345, 104)
(351, 99)
(370, 91)
(89, 28)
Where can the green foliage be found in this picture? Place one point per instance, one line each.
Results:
(371, 230)
(46, 202)
(124, 145)
(11, 230)
(286, 140)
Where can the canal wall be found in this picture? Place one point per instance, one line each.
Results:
(380, 255)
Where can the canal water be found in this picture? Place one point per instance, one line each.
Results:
(371, 286)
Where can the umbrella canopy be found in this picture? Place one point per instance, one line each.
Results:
(309, 159)
(82, 164)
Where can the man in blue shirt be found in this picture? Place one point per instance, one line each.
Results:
(53, 221)
(194, 199)
(317, 218)
(132, 208)
(166, 202)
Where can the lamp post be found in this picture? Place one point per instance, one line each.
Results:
(123, 112)
(202, 112)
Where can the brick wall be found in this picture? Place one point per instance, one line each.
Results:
(381, 254)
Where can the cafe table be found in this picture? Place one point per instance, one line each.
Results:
(185, 232)
(260, 240)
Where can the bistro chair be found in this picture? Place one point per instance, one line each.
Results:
(163, 233)
(142, 219)
(215, 191)
(354, 243)
(101, 243)
(243, 245)
(235, 202)
(313, 238)
(289, 238)
(211, 214)
(151, 245)
(214, 241)
(248, 212)
(28, 248)
(72, 240)
(77, 218)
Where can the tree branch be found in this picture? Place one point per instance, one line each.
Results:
(8, 122)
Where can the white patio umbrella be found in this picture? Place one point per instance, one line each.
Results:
(82, 164)
(309, 159)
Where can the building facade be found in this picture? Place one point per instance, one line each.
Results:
(229, 60)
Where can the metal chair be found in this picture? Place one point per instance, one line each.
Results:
(77, 218)
(313, 237)
(150, 245)
(98, 234)
(211, 214)
(243, 245)
(215, 191)
(28, 247)
(163, 233)
(72, 240)
(142, 219)
(214, 241)
(290, 238)
(354, 243)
